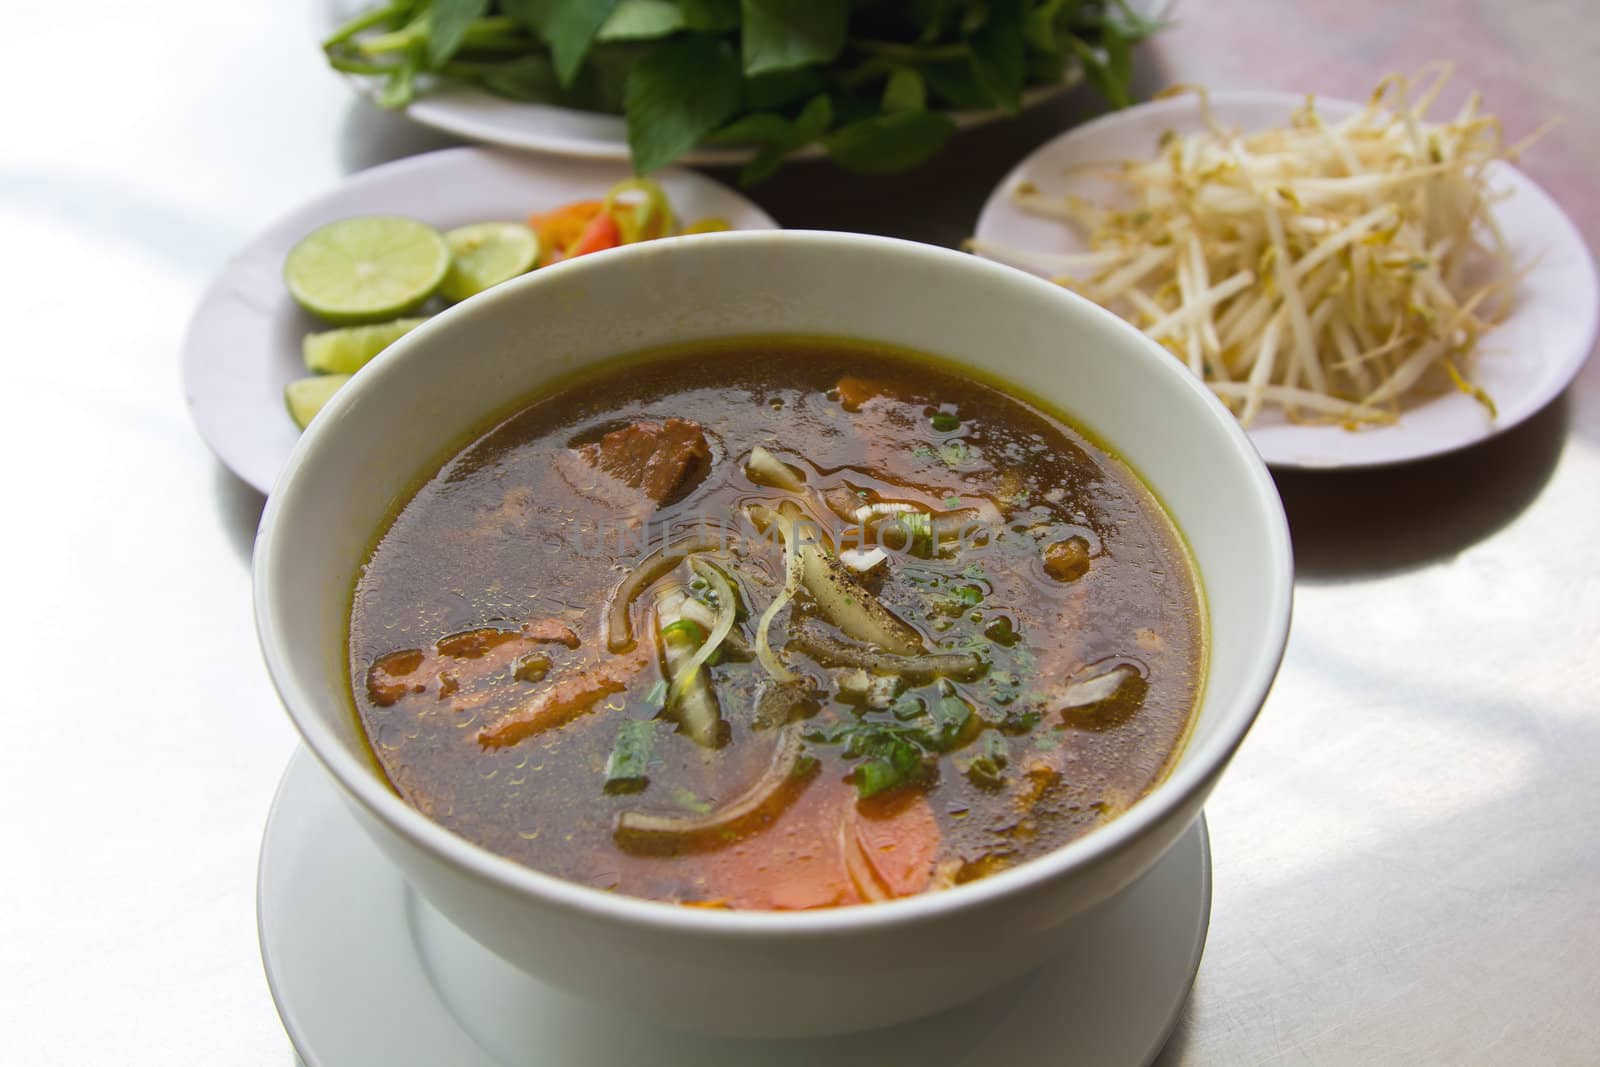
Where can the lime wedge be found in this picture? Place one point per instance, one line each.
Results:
(486, 254)
(366, 269)
(305, 396)
(349, 348)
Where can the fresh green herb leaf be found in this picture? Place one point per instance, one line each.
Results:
(997, 53)
(1127, 22)
(904, 91)
(755, 128)
(532, 15)
(923, 451)
(879, 85)
(952, 502)
(447, 22)
(710, 14)
(531, 79)
(628, 765)
(1039, 26)
(944, 421)
(890, 142)
(641, 20)
(570, 29)
(1101, 65)
(781, 34)
(777, 135)
(955, 83)
(780, 88)
(680, 91)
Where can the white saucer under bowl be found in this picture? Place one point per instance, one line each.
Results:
(364, 971)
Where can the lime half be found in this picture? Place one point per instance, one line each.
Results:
(305, 396)
(486, 254)
(367, 268)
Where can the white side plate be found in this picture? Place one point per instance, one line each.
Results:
(243, 344)
(1523, 363)
(364, 971)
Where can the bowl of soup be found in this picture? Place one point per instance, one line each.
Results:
(776, 634)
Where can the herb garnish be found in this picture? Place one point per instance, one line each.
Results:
(872, 83)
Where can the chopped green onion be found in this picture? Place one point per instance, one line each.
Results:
(656, 696)
(944, 422)
(687, 628)
(951, 714)
(901, 765)
(988, 768)
(629, 762)
(686, 799)
(952, 502)
(908, 707)
(967, 595)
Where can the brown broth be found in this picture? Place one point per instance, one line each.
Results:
(499, 537)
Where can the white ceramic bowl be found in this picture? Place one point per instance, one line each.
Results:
(751, 973)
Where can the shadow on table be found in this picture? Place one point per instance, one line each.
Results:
(238, 511)
(1177, 1045)
(1349, 524)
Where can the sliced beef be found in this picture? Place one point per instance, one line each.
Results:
(659, 459)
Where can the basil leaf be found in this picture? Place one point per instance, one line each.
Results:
(905, 91)
(531, 15)
(710, 14)
(1097, 67)
(1128, 23)
(890, 142)
(955, 82)
(641, 20)
(930, 15)
(758, 127)
(767, 92)
(811, 124)
(530, 79)
(1040, 27)
(780, 34)
(1046, 68)
(683, 89)
(570, 29)
(447, 25)
(997, 53)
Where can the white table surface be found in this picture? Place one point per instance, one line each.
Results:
(1406, 860)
